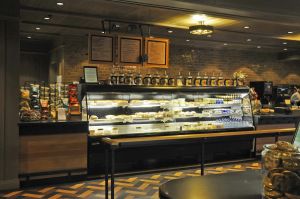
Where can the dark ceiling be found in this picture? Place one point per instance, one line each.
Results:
(269, 21)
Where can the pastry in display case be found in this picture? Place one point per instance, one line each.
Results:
(131, 110)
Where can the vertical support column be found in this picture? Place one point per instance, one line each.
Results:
(9, 92)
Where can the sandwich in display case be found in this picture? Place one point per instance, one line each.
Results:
(139, 111)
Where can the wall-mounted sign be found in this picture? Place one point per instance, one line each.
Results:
(90, 74)
(101, 48)
(130, 50)
(157, 51)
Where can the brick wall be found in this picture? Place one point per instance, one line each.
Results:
(258, 64)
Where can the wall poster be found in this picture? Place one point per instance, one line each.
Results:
(157, 50)
(101, 48)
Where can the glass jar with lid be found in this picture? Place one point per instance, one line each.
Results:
(155, 79)
(220, 81)
(164, 79)
(197, 80)
(121, 78)
(179, 80)
(138, 79)
(281, 171)
(204, 80)
(147, 80)
(213, 80)
(189, 80)
(128, 79)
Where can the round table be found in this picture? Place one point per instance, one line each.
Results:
(234, 185)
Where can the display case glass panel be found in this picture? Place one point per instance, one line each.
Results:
(176, 111)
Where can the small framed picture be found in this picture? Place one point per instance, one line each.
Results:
(90, 74)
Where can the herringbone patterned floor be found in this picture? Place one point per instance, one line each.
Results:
(132, 187)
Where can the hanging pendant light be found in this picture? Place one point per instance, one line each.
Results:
(201, 29)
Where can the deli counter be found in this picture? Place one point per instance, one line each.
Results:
(130, 111)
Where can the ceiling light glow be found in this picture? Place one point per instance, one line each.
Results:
(258, 46)
(249, 39)
(284, 43)
(198, 17)
(60, 3)
(290, 32)
(37, 28)
(187, 40)
(28, 37)
(246, 27)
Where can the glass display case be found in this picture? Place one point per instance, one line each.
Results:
(132, 111)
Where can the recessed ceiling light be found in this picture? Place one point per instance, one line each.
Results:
(246, 27)
(249, 39)
(187, 40)
(48, 17)
(225, 44)
(102, 32)
(170, 31)
(37, 28)
(28, 37)
(290, 32)
(284, 43)
(60, 3)
(258, 46)
(209, 35)
(285, 49)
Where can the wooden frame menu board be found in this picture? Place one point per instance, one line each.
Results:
(101, 48)
(157, 50)
(130, 49)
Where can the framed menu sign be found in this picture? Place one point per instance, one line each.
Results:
(101, 48)
(130, 50)
(90, 74)
(157, 50)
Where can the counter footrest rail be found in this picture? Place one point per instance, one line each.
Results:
(113, 144)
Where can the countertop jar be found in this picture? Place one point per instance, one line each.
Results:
(138, 79)
(147, 80)
(179, 80)
(164, 79)
(281, 171)
(197, 80)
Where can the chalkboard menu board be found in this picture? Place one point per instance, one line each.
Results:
(130, 50)
(101, 48)
(157, 50)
